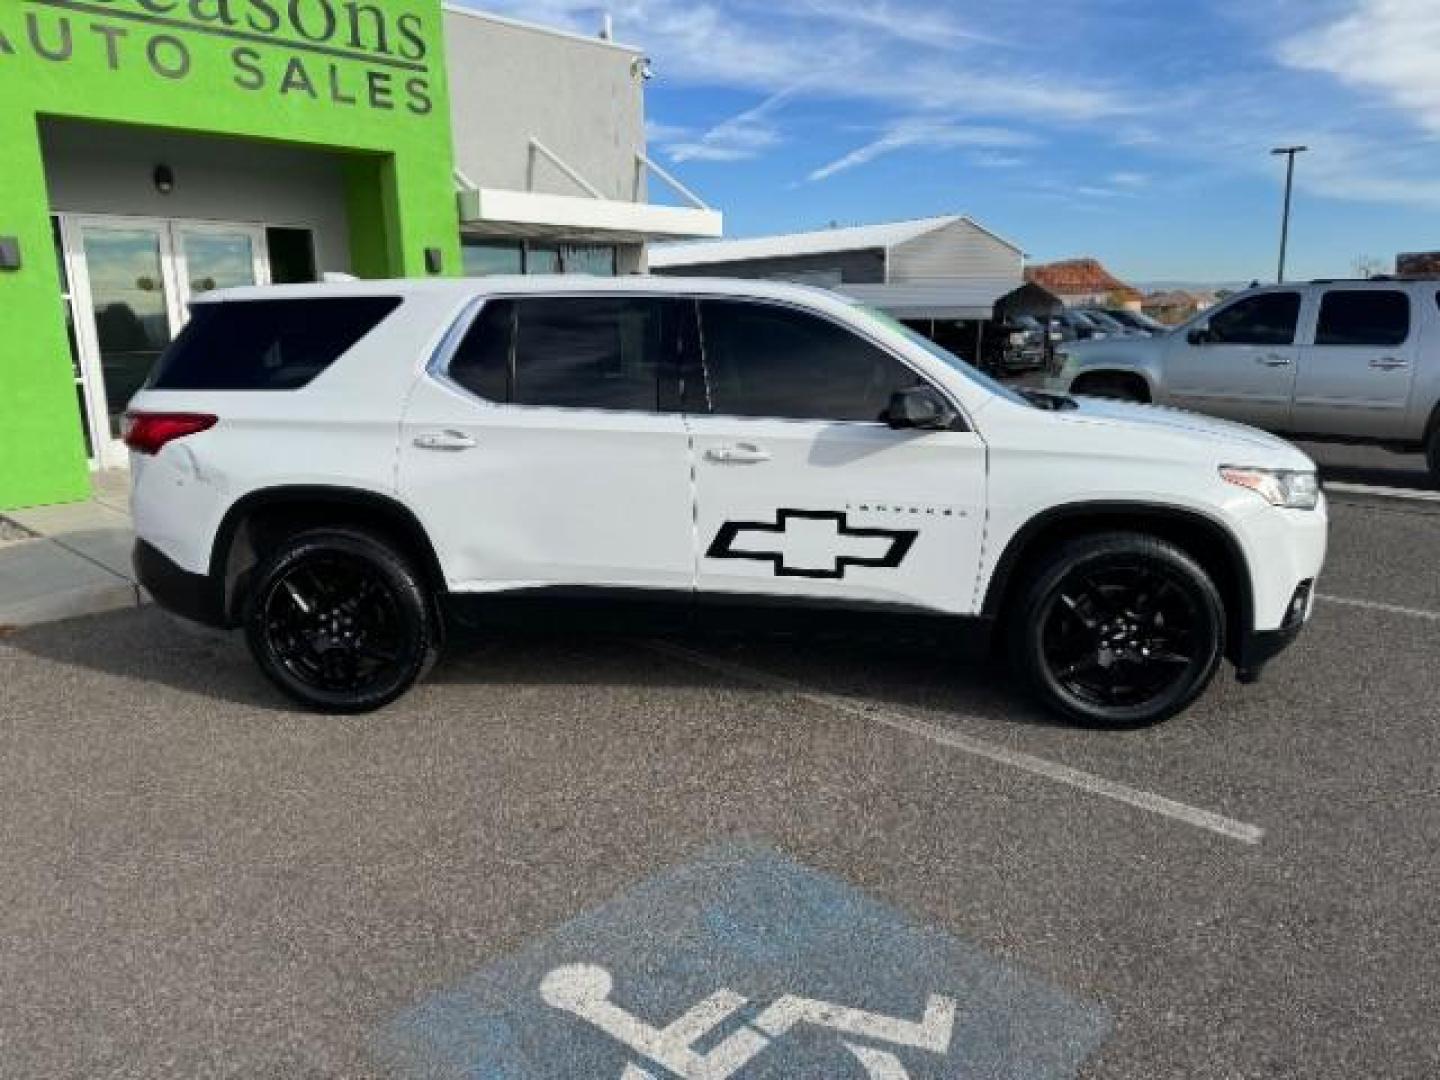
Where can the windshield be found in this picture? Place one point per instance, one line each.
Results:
(945, 356)
(1105, 322)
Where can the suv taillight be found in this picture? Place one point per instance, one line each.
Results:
(147, 433)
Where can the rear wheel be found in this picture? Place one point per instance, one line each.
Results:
(339, 621)
(1119, 630)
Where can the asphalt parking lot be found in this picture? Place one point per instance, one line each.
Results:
(576, 857)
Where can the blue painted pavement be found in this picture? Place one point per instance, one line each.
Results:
(746, 964)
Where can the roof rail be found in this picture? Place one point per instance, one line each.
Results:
(1359, 280)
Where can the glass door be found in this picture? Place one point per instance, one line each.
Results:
(131, 281)
(209, 257)
(125, 296)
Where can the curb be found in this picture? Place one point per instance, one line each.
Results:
(70, 604)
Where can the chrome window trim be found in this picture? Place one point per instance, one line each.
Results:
(438, 367)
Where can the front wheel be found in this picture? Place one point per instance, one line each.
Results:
(339, 621)
(1119, 630)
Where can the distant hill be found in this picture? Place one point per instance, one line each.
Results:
(1191, 286)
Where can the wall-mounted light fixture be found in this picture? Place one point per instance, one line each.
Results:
(164, 177)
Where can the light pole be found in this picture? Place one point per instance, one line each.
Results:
(1289, 152)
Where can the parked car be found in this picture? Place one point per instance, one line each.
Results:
(1026, 346)
(1113, 327)
(1348, 361)
(1137, 320)
(1075, 325)
(346, 471)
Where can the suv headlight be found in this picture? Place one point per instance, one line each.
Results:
(1289, 488)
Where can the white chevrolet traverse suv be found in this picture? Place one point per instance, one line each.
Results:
(347, 470)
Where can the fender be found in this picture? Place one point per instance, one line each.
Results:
(1177, 523)
(304, 499)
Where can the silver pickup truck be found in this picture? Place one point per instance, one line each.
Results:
(1343, 361)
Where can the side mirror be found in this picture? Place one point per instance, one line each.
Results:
(919, 408)
(1199, 336)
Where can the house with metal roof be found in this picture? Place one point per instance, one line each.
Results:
(941, 268)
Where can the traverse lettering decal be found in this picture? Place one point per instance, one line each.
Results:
(745, 964)
(811, 544)
(355, 53)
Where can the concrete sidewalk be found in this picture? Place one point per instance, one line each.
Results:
(75, 559)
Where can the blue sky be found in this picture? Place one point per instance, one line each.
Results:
(1133, 130)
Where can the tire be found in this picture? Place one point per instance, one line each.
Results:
(1113, 387)
(340, 621)
(1432, 454)
(1118, 630)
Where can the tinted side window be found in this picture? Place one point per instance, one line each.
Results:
(266, 344)
(481, 362)
(590, 352)
(1267, 319)
(763, 360)
(1363, 317)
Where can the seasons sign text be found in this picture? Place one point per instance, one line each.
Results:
(344, 52)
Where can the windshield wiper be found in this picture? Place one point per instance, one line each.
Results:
(1049, 400)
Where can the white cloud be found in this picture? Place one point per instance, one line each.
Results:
(1127, 179)
(921, 133)
(996, 160)
(739, 138)
(921, 25)
(662, 134)
(1389, 46)
(911, 58)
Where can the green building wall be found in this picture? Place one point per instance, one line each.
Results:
(363, 78)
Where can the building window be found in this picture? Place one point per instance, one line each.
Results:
(597, 259)
(482, 258)
(486, 257)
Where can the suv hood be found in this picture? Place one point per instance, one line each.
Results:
(1227, 439)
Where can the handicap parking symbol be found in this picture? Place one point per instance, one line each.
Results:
(745, 964)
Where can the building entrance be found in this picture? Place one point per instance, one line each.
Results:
(128, 284)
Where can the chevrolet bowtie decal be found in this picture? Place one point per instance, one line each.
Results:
(811, 544)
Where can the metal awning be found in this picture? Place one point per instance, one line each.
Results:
(524, 213)
(505, 212)
(967, 300)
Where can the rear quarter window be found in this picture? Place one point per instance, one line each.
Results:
(266, 344)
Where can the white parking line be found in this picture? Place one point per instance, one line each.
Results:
(1050, 770)
(1412, 494)
(1375, 605)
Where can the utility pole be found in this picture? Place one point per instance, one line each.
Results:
(1289, 152)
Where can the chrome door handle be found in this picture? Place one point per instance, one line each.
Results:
(1273, 360)
(444, 440)
(1389, 363)
(740, 454)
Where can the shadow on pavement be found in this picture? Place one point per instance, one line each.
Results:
(1371, 465)
(147, 645)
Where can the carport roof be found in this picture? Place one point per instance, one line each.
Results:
(821, 242)
(949, 299)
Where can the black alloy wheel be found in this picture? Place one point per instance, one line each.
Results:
(1120, 630)
(339, 621)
